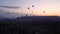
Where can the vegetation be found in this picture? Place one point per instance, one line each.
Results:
(16, 26)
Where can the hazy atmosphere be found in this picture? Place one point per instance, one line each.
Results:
(17, 8)
(29, 16)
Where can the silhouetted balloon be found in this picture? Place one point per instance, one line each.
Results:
(8, 12)
(28, 8)
(43, 11)
(32, 5)
(32, 11)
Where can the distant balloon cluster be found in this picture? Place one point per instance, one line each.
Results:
(19, 7)
(32, 7)
(29, 7)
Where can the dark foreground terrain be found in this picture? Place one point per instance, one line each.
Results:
(31, 25)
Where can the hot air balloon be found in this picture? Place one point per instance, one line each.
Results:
(8, 13)
(28, 8)
(32, 11)
(43, 11)
(32, 5)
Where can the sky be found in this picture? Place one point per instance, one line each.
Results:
(51, 7)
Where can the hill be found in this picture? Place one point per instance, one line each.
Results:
(31, 25)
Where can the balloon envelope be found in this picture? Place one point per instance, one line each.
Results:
(32, 5)
(28, 8)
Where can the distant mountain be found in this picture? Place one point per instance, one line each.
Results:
(37, 18)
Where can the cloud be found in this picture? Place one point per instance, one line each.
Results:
(10, 7)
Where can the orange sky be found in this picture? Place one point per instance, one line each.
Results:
(51, 7)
